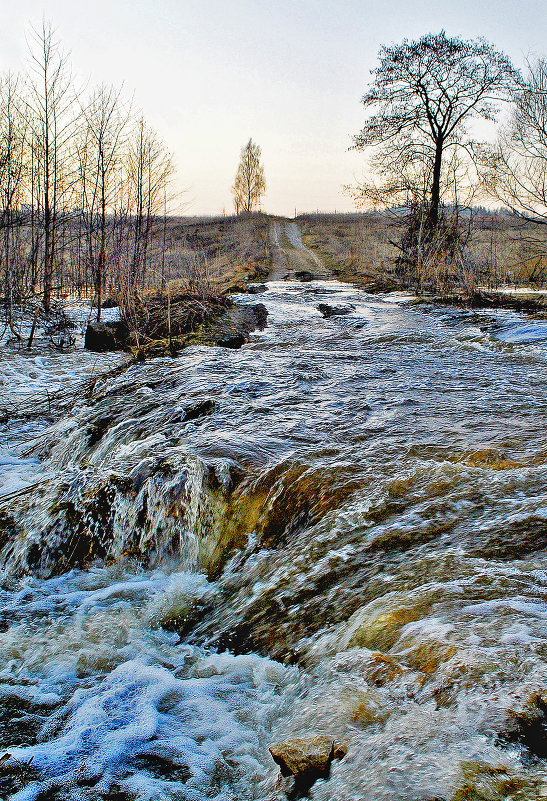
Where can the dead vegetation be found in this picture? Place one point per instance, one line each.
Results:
(217, 254)
(206, 259)
(164, 322)
(363, 248)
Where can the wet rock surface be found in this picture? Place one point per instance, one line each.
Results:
(350, 541)
(528, 729)
(334, 311)
(305, 761)
(256, 289)
(233, 342)
(102, 337)
(233, 329)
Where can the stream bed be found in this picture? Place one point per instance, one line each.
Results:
(340, 529)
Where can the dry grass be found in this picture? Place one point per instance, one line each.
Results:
(216, 254)
(163, 322)
(358, 247)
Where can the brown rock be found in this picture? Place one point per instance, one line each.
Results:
(340, 750)
(298, 756)
(305, 761)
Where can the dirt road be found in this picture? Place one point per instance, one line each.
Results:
(291, 258)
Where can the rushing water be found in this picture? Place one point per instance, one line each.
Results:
(338, 529)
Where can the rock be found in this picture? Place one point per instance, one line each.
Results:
(256, 289)
(528, 727)
(306, 760)
(238, 322)
(199, 410)
(340, 750)
(254, 316)
(109, 303)
(234, 342)
(334, 311)
(101, 337)
(299, 756)
(304, 275)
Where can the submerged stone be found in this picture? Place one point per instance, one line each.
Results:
(334, 311)
(199, 409)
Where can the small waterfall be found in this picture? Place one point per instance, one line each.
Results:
(338, 529)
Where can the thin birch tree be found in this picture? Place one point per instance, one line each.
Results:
(250, 184)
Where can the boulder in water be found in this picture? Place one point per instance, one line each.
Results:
(334, 311)
(256, 289)
(234, 342)
(199, 409)
(100, 337)
(305, 760)
(238, 322)
(528, 727)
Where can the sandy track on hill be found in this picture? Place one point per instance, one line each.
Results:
(290, 254)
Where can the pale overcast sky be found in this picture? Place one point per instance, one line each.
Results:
(208, 74)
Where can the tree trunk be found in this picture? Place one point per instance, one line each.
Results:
(436, 185)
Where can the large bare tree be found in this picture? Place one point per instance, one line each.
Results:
(51, 109)
(422, 98)
(516, 167)
(249, 184)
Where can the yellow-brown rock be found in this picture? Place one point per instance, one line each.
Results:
(310, 756)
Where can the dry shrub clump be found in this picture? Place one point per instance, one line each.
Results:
(164, 321)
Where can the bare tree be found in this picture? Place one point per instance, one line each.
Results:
(516, 167)
(13, 141)
(84, 189)
(249, 184)
(423, 95)
(149, 170)
(51, 107)
(99, 153)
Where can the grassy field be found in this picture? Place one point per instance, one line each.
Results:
(219, 252)
(226, 252)
(358, 247)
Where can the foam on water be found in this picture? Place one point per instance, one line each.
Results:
(379, 479)
(134, 707)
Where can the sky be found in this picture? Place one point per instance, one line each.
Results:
(210, 74)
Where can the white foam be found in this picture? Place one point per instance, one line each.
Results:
(146, 694)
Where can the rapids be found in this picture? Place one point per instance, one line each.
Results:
(339, 529)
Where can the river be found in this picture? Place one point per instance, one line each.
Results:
(338, 529)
